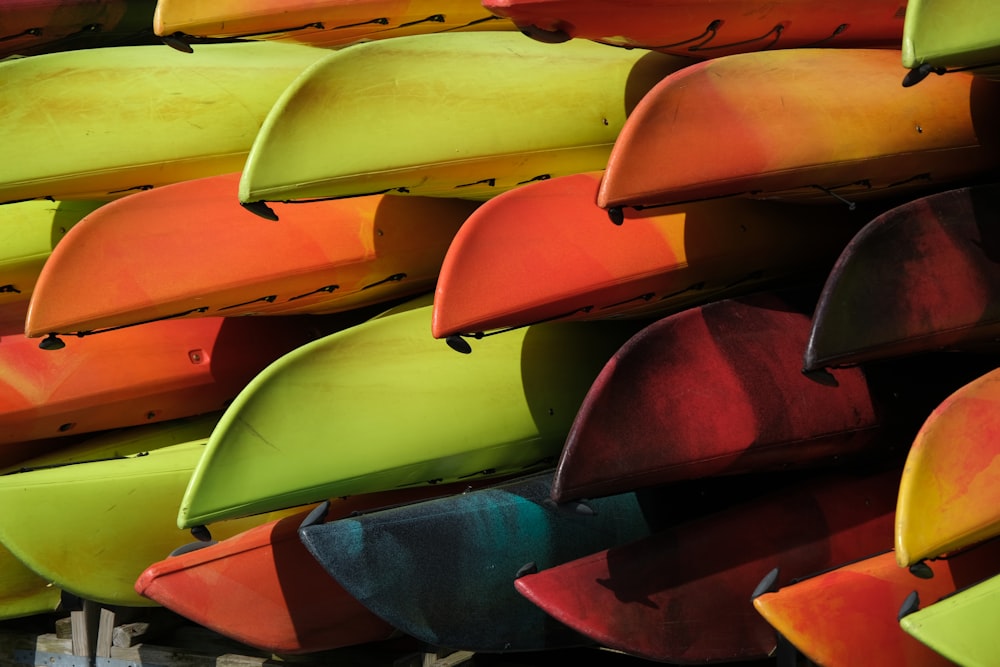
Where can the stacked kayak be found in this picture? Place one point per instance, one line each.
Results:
(459, 115)
(922, 276)
(664, 327)
(325, 23)
(384, 405)
(545, 251)
(324, 257)
(941, 37)
(33, 27)
(824, 124)
(710, 29)
(116, 120)
(848, 614)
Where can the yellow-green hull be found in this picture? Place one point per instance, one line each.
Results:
(457, 114)
(941, 35)
(962, 627)
(101, 123)
(384, 405)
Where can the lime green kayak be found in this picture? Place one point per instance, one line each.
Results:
(464, 115)
(963, 626)
(24, 592)
(945, 35)
(384, 405)
(101, 123)
(92, 526)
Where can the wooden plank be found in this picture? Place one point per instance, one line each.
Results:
(105, 630)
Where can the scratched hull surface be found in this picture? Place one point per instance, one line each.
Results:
(962, 626)
(939, 36)
(922, 276)
(34, 27)
(710, 29)
(322, 23)
(455, 590)
(948, 494)
(546, 251)
(682, 594)
(465, 115)
(162, 370)
(848, 615)
(393, 407)
(835, 123)
(718, 390)
(133, 117)
(94, 504)
(134, 261)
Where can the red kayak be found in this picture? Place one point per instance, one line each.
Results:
(33, 27)
(848, 615)
(718, 390)
(157, 371)
(700, 29)
(922, 276)
(545, 251)
(263, 588)
(683, 595)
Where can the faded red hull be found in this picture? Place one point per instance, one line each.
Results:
(683, 595)
(718, 390)
(801, 124)
(847, 616)
(546, 251)
(700, 29)
(922, 276)
(161, 370)
(263, 588)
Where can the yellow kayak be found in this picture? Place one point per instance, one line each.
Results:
(102, 123)
(941, 36)
(949, 492)
(324, 23)
(464, 115)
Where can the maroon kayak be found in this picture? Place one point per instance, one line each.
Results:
(684, 595)
(718, 390)
(922, 276)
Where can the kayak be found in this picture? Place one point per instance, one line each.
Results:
(710, 29)
(545, 251)
(322, 23)
(323, 257)
(834, 126)
(105, 122)
(384, 405)
(464, 115)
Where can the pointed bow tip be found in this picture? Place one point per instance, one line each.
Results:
(261, 209)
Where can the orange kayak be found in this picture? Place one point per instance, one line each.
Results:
(949, 493)
(812, 124)
(190, 250)
(848, 615)
(323, 23)
(161, 370)
(545, 251)
(702, 29)
(262, 587)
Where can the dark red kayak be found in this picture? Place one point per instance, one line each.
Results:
(922, 276)
(684, 594)
(718, 390)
